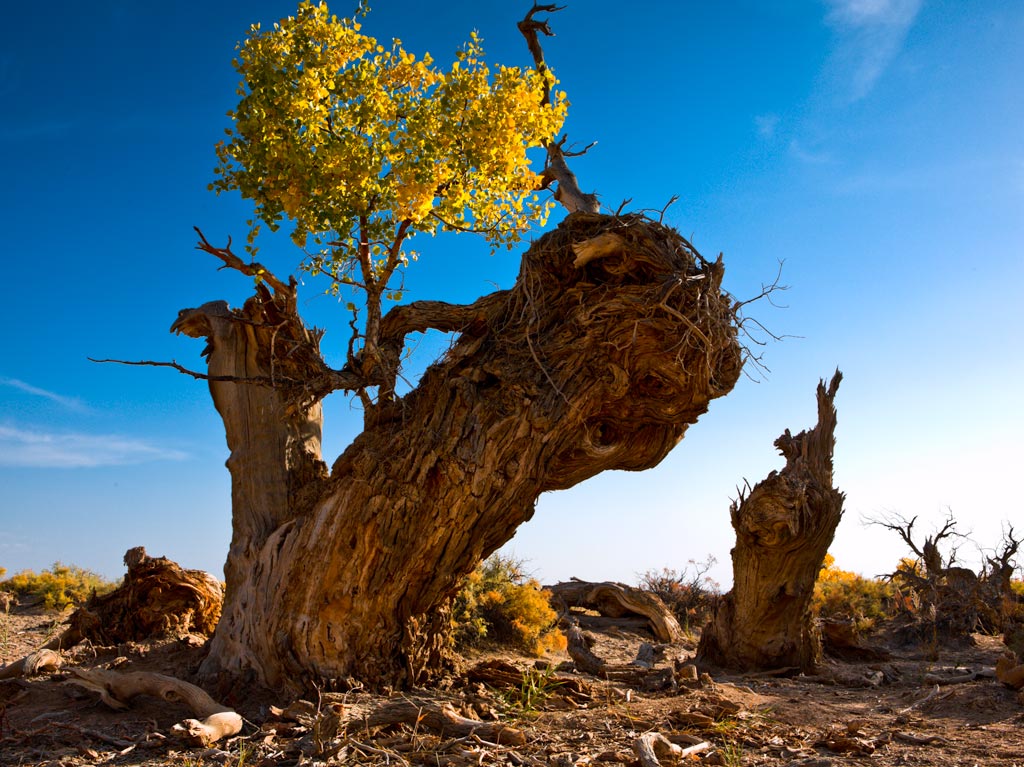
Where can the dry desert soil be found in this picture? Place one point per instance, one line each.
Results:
(912, 708)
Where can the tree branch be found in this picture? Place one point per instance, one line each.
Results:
(420, 316)
(254, 269)
(568, 192)
(338, 379)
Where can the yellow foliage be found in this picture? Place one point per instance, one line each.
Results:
(841, 593)
(358, 142)
(499, 602)
(59, 586)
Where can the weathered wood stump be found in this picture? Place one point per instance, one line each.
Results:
(783, 530)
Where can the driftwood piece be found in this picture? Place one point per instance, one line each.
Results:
(157, 597)
(946, 679)
(117, 688)
(616, 600)
(37, 662)
(439, 717)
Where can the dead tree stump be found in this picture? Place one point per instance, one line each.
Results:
(784, 527)
(157, 597)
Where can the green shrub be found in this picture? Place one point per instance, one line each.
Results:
(500, 602)
(691, 595)
(59, 586)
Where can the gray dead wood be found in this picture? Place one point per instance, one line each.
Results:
(117, 688)
(616, 600)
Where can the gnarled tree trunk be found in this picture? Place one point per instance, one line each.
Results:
(598, 358)
(783, 530)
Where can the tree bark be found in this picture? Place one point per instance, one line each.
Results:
(783, 530)
(573, 371)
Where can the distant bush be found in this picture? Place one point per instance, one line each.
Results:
(844, 594)
(500, 602)
(58, 586)
(691, 595)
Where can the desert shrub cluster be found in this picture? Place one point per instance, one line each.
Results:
(57, 587)
(841, 594)
(690, 594)
(499, 602)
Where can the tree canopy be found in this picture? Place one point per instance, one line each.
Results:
(362, 145)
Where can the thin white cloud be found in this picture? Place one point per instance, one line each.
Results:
(809, 156)
(871, 35)
(71, 403)
(70, 450)
(766, 125)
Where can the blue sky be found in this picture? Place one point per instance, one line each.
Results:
(874, 146)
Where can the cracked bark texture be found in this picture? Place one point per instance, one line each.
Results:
(586, 364)
(783, 530)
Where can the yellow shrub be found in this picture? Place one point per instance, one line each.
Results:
(59, 586)
(498, 601)
(844, 594)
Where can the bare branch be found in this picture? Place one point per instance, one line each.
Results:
(556, 170)
(898, 524)
(253, 269)
(338, 379)
(420, 316)
(580, 152)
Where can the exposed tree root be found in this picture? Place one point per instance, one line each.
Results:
(117, 688)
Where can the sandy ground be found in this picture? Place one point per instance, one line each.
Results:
(877, 713)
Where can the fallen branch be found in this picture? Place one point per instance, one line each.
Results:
(117, 688)
(616, 600)
(38, 662)
(441, 718)
(925, 700)
(939, 679)
(918, 740)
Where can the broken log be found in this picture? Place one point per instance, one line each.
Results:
(502, 675)
(842, 640)
(117, 688)
(615, 600)
(38, 662)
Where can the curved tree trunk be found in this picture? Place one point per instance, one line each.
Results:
(783, 531)
(595, 360)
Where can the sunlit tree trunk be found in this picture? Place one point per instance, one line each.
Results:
(614, 339)
(783, 530)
